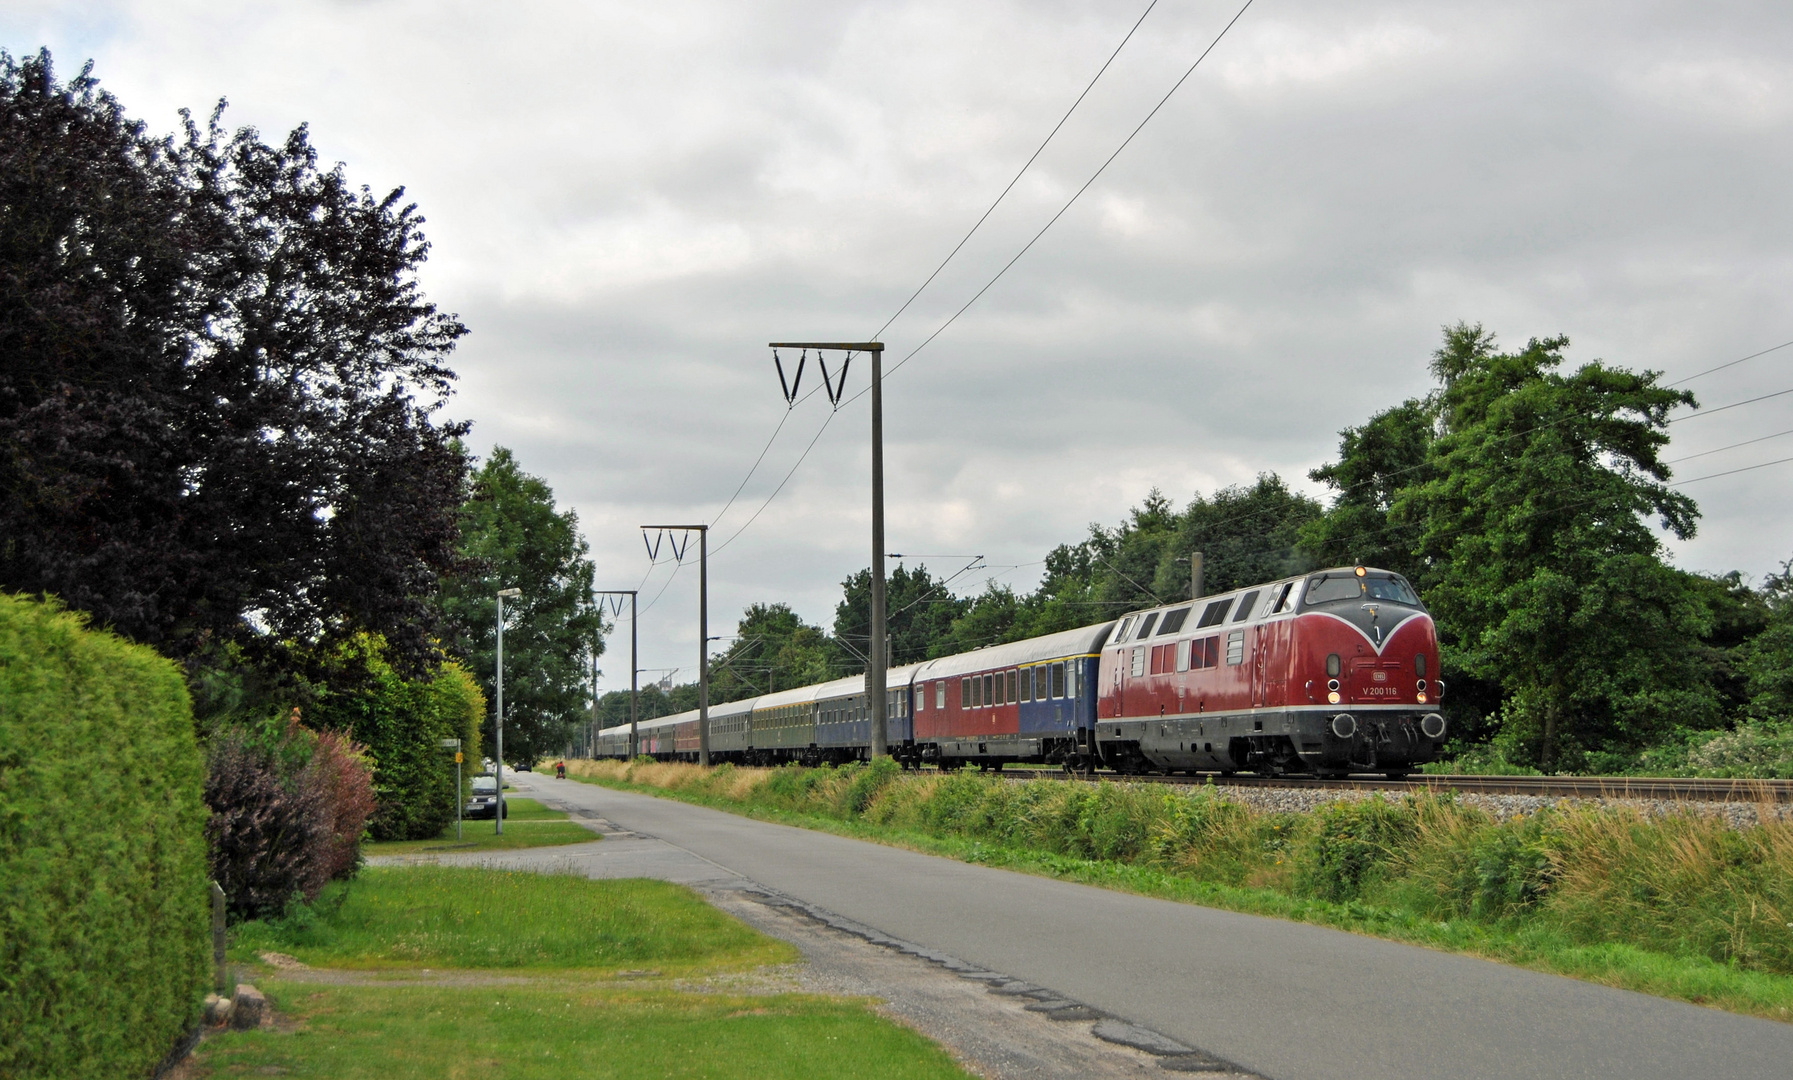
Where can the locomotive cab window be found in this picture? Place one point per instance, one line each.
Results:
(1391, 588)
(1284, 600)
(1327, 588)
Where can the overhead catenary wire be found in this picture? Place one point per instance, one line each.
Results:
(1017, 258)
(1003, 194)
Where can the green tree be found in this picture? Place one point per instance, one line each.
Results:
(1529, 535)
(920, 608)
(513, 537)
(1378, 461)
(218, 386)
(774, 649)
(1246, 535)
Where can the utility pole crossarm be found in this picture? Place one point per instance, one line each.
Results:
(837, 346)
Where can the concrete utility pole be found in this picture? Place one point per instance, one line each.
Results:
(634, 666)
(1195, 575)
(498, 722)
(877, 654)
(703, 633)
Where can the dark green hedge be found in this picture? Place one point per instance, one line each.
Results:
(104, 909)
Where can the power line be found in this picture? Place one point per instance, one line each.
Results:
(1732, 363)
(1073, 199)
(1732, 405)
(1017, 179)
(1091, 85)
(1733, 446)
(1024, 250)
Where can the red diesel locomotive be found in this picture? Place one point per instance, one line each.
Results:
(1331, 673)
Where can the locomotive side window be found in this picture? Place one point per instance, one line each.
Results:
(1145, 628)
(1173, 621)
(1245, 603)
(1215, 612)
(1138, 661)
(1283, 600)
(1183, 655)
(1126, 625)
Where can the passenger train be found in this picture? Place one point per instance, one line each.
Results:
(1328, 673)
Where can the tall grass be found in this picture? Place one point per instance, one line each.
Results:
(1682, 884)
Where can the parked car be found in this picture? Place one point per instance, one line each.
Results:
(484, 801)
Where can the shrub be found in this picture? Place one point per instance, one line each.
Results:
(401, 723)
(104, 912)
(340, 768)
(270, 836)
(1353, 841)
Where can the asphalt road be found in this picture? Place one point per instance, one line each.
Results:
(1290, 1001)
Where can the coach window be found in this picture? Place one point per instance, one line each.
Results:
(1173, 621)
(1058, 681)
(1145, 628)
(940, 694)
(964, 693)
(1245, 603)
(1027, 684)
(992, 691)
(1014, 686)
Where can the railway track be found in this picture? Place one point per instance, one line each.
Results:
(1701, 789)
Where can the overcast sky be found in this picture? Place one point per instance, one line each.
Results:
(627, 201)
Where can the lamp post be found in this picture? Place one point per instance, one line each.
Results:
(498, 726)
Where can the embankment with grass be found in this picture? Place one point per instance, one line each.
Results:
(460, 971)
(1682, 905)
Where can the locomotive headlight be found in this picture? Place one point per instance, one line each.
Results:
(1422, 697)
(1333, 698)
(1422, 686)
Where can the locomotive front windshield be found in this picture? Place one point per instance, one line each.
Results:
(1332, 588)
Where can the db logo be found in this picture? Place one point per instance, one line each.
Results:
(1379, 676)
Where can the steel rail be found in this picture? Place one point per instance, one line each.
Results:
(1695, 789)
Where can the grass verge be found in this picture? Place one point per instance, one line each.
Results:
(1382, 869)
(468, 917)
(530, 989)
(522, 1033)
(529, 824)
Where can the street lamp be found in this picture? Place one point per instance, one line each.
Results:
(498, 761)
